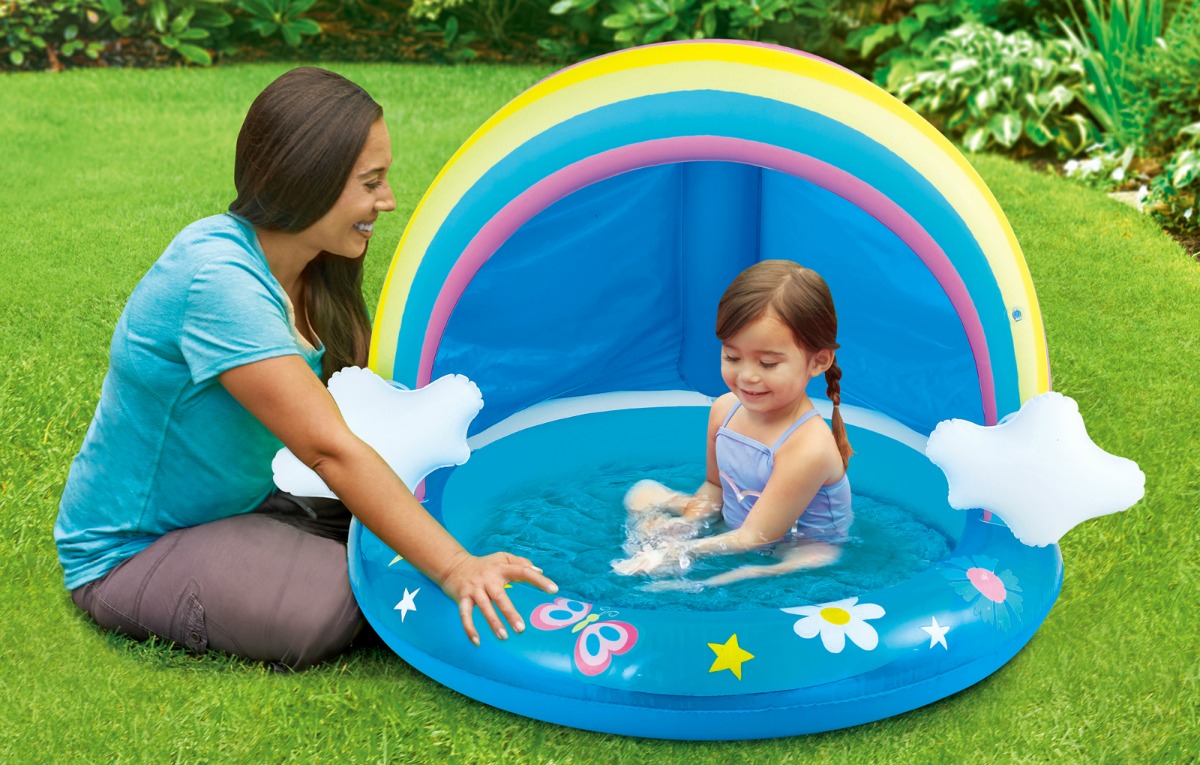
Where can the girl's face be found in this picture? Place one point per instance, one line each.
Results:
(347, 227)
(765, 368)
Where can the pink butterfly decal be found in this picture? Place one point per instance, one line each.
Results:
(598, 641)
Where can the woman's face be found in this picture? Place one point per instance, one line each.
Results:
(347, 227)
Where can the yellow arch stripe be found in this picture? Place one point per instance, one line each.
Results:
(753, 70)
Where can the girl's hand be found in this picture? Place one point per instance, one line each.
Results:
(479, 581)
(666, 558)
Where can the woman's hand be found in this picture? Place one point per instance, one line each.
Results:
(479, 581)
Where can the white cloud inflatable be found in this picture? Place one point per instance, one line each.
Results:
(415, 431)
(1037, 469)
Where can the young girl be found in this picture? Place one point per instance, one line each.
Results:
(776, 473)
(169, 523)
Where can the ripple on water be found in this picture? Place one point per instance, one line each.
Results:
(574, 529)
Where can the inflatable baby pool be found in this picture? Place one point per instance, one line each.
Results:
(569, 259)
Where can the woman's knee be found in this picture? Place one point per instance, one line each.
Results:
(320, 632)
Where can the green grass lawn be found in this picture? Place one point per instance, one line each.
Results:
(100, 169)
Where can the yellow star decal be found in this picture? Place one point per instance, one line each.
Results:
(730, 656)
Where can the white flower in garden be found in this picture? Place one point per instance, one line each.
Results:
(1142, 192)
(1071, 167)
(1089, 166)
(836, 621)
(1187, 215)
(1118, 174)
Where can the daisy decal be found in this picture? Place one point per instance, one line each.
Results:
(838, 620)
(995, 594)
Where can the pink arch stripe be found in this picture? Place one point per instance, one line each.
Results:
(665, 151)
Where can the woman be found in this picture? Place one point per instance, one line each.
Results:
(169, 523)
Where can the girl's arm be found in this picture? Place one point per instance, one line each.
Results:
(706, 502)
(285, 396)
(804, 463)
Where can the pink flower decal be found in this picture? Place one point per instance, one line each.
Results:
(996, 595)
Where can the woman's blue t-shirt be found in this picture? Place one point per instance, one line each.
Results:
(168, 446)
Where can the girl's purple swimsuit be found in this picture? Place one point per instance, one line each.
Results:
(745, 465)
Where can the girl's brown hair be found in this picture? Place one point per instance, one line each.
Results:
(296, 149)
(801, 300)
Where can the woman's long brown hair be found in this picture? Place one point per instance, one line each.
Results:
(296, 149)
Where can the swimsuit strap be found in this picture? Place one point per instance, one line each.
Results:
(732, 409)
(803, 419)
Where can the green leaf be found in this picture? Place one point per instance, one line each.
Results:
(877, 38)
(113, 7)
(923, 12)
(264, 28)
(1038, 133)
(955, 119)
(617, 21)
(306, 26)
(195, 55)
(975, 139)
(121, 24)
(1006, 128)
(290, 35)
(258, 8)
(193, 34)
(985, 99)
(158, 14)
(171, 41)
(450, 31)
(656, 32)
(561, 7)
(298, 7)
(71, 32)
(625, 35)
(908, 27)
(16, 57)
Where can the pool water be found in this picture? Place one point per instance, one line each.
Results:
(575, 529)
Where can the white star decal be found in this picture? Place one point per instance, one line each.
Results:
(937, 634)
(1037, 469)
(408, 603)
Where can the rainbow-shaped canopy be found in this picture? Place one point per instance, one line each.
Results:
(580, 239)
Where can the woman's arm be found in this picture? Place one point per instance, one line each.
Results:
(285, 396)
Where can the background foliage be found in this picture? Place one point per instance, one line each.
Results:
(99, 184)
(989, 89)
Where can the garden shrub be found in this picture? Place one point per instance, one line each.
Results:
(38, 34)
(893, 33)
(1166, 83)
(1175, 193)
(500, 22)
(816, 26)
(987, 88)
(41, 34)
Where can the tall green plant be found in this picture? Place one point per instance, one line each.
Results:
(1110, 42)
